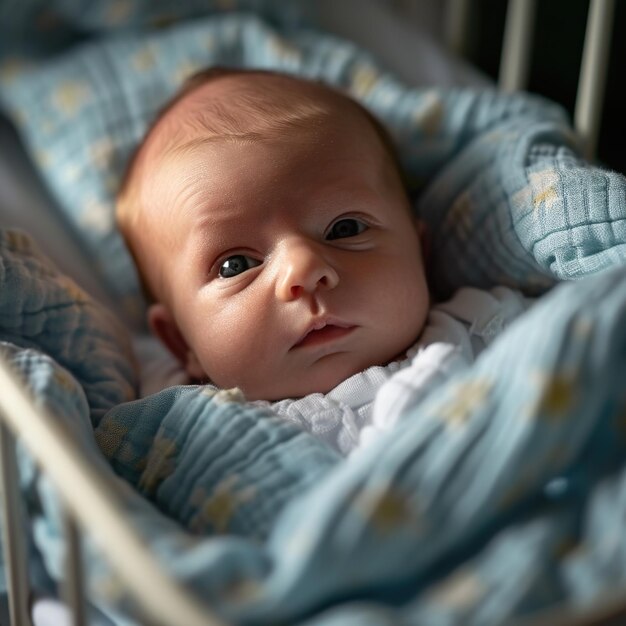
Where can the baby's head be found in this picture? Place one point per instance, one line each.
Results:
(271, 227)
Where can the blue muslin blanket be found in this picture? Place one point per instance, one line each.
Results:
(499, 493)
(514, 466)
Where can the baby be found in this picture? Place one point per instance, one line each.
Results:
(269, 221)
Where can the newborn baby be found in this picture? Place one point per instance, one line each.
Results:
(269, 221)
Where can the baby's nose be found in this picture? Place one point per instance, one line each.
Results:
(304, 269)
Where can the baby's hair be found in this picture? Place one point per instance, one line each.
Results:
(216, 121)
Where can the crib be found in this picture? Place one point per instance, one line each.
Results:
(91, 506)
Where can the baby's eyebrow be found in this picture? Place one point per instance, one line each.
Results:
(189, 146)
(185, 147)
(217, 220)
(219, 224)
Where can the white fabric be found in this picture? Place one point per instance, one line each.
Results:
(50, 612)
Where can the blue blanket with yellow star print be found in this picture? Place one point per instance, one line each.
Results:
(498, 494)
(495, 496)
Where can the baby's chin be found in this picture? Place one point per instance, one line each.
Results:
(322, 380)
(289, 390)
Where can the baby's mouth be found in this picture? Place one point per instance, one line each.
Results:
(324, 332)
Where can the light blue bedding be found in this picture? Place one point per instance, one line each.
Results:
(492, 497)
(498, 494)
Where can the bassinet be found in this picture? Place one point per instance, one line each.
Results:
(93, 506)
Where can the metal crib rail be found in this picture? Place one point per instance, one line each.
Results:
(593, 72)
(73, 589)
(92, 505)
(517, 50)
(517, 45)
(13, 544)
(457, 24)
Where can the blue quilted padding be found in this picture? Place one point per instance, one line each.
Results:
(43, 309)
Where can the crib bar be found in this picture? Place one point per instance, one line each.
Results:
(73, 588)
(457, 26)
(517, 45)
(592, 80)
(13, 543)
(92, 498)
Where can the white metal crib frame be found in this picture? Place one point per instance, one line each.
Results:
(91, 503)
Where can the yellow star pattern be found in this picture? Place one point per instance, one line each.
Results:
(218, 508)
(363, 80)
(460, 591)
(70, 96)
(429, 114)
(557, 394)
(110, 436)
(469, 396)
(386, 509)
(160, 464)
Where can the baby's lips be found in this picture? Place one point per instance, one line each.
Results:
(324, 329)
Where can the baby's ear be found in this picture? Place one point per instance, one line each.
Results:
(164, 326)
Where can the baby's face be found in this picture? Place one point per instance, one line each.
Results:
(287, 266)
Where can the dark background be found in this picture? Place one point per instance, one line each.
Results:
(557, 52)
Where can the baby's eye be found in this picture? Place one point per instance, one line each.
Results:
(347, 227)
(237, 264)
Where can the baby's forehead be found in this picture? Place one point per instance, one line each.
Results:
(244, 93)
(270, 109)
(255, 104)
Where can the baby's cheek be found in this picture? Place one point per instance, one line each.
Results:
(411, 310)
(235, 356)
